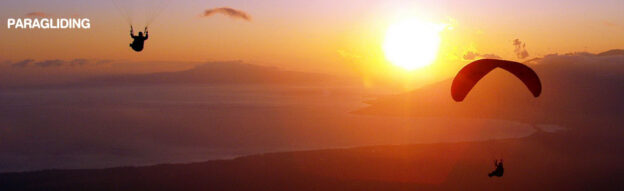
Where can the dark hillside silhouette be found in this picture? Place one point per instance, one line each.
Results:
(544, 161)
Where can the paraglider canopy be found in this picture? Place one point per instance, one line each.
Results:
(470, 75)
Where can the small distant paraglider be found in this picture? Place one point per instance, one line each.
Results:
(139, 40)
(140, 13)
(499, 171)
(470, 75)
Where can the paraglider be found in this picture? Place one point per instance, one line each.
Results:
(470, 75)
(499, 171)
(137, 13)
(139, 40)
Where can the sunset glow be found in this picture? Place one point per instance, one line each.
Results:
(280, 95)
(412, 44)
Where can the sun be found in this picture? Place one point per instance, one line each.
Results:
(412, 43)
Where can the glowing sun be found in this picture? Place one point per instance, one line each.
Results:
(412, 44)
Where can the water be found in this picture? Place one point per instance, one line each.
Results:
(119, 126)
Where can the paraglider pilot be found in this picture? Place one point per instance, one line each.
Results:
(498, 172)
(139, 40)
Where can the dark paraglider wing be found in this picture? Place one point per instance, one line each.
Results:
(470, 75)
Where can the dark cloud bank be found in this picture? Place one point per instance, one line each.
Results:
(55, 63)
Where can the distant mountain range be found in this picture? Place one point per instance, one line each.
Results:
(218, 73)
(214, 73)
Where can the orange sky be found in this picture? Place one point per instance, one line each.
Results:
(326, 36)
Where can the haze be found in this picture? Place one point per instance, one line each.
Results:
(312, 95)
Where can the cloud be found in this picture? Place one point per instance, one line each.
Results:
(491, 56)
(50, 63)
(78, 62)
(520, 49)
(233, 13)
(470, 55)
(473, 55)
(609, 24)
(37, 14)
(104, 62)
(56, 63)
(23, 63)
